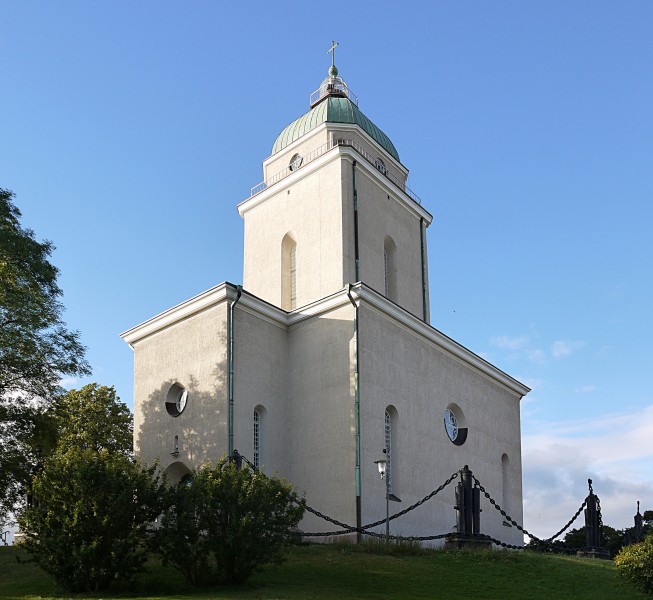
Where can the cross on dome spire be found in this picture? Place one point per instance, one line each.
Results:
(333, 71)
(332, 85)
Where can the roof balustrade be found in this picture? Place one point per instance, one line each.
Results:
(323, 149)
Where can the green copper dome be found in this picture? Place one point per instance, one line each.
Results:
(333, 109)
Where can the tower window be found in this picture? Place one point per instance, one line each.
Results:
(296, 162)
(293, 277)
(289, 272)
(390, 269)
(378, 163)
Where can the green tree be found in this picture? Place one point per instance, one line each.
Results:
(92, 504)
(613, 539)
(36, 350)
(635, 563)
(224, 523)
(93, 418)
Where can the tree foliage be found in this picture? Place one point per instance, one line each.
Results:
(92, 418)
(612, 539)
(635, 563)
(36, 350)
(92, 503)
(224, 523)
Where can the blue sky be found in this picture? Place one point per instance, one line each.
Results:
(129, 131)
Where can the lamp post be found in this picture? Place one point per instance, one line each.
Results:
(382, 464)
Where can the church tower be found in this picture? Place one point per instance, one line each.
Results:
(334, 208)
(325, 357)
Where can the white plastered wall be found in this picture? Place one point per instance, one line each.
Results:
(261, 379)
(309, 208)
(402, 369)
(321, 449)
(191, 353)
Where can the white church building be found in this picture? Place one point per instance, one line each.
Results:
(325, 356)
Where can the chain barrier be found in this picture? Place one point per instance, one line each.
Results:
(351, 529)
(548, 541)
(346, 529)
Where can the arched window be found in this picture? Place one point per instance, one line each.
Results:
(390, 268)
(293, 277)
(289, 272)
(505, 484)
(390, 434)
(259, 436)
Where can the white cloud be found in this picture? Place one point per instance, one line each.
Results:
(561, 348)
(510, 343)
(613, 450)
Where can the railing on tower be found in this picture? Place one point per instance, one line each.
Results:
(323, 149)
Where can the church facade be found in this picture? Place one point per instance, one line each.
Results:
(324, 360)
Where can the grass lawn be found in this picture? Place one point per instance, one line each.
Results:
(343, 572)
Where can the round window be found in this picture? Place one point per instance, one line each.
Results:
(451, 424)
(455, 424)
(176, 400)
(295, 162)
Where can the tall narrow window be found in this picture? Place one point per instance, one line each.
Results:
(257, 439)
(293, 277)
(390, 268)
(385, 274)
(388, 449)
(289, 272)
(505, 484)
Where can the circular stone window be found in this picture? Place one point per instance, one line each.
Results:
(296, 162)
(176, 400)
(454, 425)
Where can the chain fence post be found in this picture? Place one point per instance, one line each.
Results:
(593, 528)
(236, 458)
(468, 515)
(639, 526)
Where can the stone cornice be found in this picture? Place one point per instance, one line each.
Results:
(401, 197)
(331, 155)
(439, 339)
(188, 308)
(212, 297)
(288, 181)
(361, 293)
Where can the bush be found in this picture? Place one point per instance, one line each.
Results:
(224, 523)
(635, 563)
(88, 520)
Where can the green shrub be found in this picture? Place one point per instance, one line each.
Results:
(87, 524)
(635, 563)
(224, 523)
